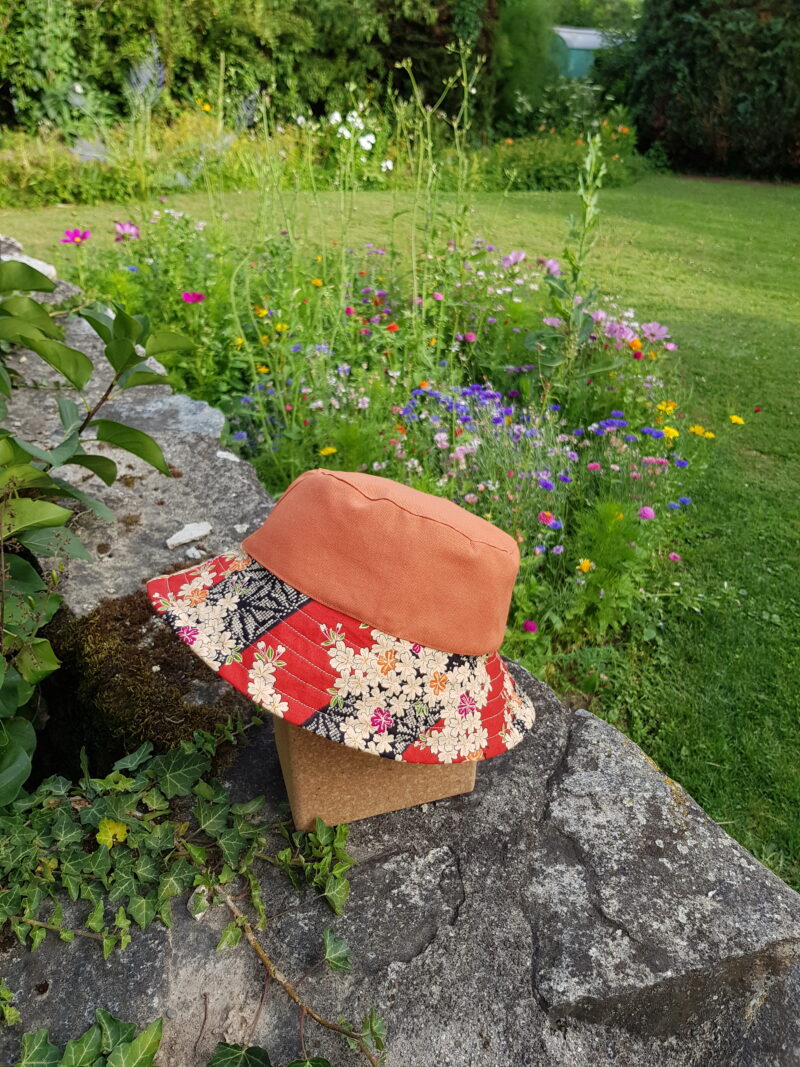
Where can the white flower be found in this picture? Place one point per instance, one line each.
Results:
(387, 164)
(78, 87)
(344, 132)
(335, 118)
(354, 120)
(300, 120)
(367, 141)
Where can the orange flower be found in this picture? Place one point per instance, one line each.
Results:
(387, 661)
(438, 682)
(635, 344)
(197, 596)
(509, 140)
(316, 281)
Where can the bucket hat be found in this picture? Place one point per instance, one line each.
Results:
(367, 612)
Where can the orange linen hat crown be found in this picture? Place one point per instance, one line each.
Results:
(367, 612)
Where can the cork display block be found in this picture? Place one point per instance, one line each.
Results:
(339, 784)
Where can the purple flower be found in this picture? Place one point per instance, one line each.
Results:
(557, 550)
(240, 435)
(681, 462)
(512, 259)
(556, 524)
(545, 483)
(126, 231)
(530, 626)
(618, 414)
(654, 331)
(564, 478)
(552, 266)
(646, 513)
(75, 237)
(438, 296)
(555, 323)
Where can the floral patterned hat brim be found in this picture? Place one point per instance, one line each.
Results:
(336, 676)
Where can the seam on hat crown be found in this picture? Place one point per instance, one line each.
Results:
(417, 515)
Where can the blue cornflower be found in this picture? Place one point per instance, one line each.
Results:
(618, 414)
(556, 524)
(577, 432)
(247, 400)
(240, 435)
(685, 499)
(133, 270)
(296, 348)
(545, 483)
(673, 505)
(564, 478)
(681, 462)
(631, 437)
(555, 407)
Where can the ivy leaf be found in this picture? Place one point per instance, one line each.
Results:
(249, 807)
(141, 1051)
(337, 954)
(315, 1061)
(96, 920)
(373, 1030)
(177, 771)
(134, 759)
(65, 831)
(239, 1056)
(84, 1050)
(212, 819)
(231, 845)
(230, 936)
(336, 892)
(37, 1051)
(142, 909)
(113, 1031)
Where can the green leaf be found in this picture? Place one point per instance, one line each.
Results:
(141, 1051)
(22, 513)
(231, 845)
(68, 413)
(23, 575)
(230, 936)
(109, 944)
(131, 440)
(15, 762)
(54, 543)
(25, 307)
(167, 341)
(337, 954)
(315, 1061)
(17, 275)
(37, 660)
(113, 1031)
(142, 909)
(121, 354)
(96, 920)
(177, 771)
(100, 322)
(336, 892)
(134, 759)
(212, 819)
(37, 1051)
(84, 1050)
(102, 466)
(373, 1029)
(249, 807)
(19, 330)
(143, 377)
(239, 1056)
(124, 326)
(74, 365)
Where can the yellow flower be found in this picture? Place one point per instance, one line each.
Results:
(635, 344)
(432, 342)
(262, 369)
(239, 342)
(619, 516)
(261, 312)
(110, 832)
(206, 106)
(737, 420)
(653, 355)
(709, 434)
(316, 281)
(328, 450)
(281, 327)
(264, 338)
(697, 429)
(670, 433)
(586, 565)
(319, 259)
(667, 405)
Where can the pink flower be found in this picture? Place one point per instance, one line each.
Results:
(530, 626)
(466, 704)
(381, 720)
(552, 266)
(438, 296)
(349, 311)
(646, 513)
(193, 297)
(470, 337)
(555, 323)
(674, 557)
(188, 634)
(75, 237)
(126, 231)
(470, 498)
(545, 517)
(593, 466)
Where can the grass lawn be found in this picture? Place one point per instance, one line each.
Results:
(714, 703)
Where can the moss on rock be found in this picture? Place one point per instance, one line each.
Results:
(125, 678)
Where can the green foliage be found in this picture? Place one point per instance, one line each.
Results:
(109, 1043)
(522, 64)
(9, 1015)
(30, 524)
(320, 858)
(719, 85)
